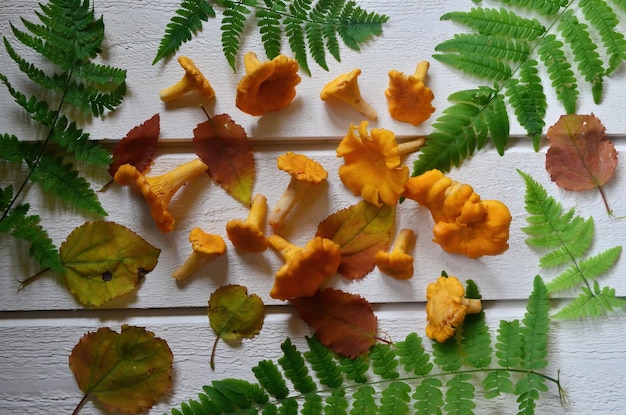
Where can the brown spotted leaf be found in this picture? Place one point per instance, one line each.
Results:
(360, 230)
(104, 260)
(125, 371)
(138, 147)
(223, 146)
(580, 156)
(344, 322)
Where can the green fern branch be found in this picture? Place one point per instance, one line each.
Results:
(577, 41)
(567, 238)
(68, 36)
(311, 28)
(399, 378)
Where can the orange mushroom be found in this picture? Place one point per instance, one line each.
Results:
(204, 246)
(159, 190)
(447, 307)
(267, 86)
(304, 172)
(408, 99)
(373, 167)
(305, 269)
(464, 223)
(346, 88)
(397, 263)
(248, 235)
(192, 80)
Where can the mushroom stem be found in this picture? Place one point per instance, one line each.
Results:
(166, 185)
(474, 306)
(258, 209)
(179, 88)
(251, 62)
(411, 146)
(283, 246)
(189, 266)
(402, 241)
(192, 80)
(287, 201)
(421, 70)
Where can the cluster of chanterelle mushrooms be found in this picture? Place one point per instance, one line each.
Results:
(372, 169)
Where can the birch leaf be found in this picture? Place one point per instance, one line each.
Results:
(360, 230)
(125, 371)
(138, 147)
(344, 322)
(103, 260)
(223, 146)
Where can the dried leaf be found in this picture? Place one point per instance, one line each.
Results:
(344, 322)
(138, 147)
(104, 260)
(125, 371)
(223, 146)
(233, 314)
(580, 157)
(360, 230)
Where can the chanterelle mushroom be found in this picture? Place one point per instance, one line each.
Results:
(304, 172)
(446, 307)
(397, 263)
(373, 167)
(408, 99)
(464, 224)
(204, 246)
(267, 86)
(158, 190)
(305, 269)
(346, 88)
(248, 235)
(192, 80)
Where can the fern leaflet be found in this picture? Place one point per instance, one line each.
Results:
(567, 238)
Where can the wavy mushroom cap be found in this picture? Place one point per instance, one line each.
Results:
(192, 80)
(346, 88)
(408, 99)
(301, 167)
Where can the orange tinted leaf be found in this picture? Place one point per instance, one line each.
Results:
(344, 322)
(580, 156)
(223, 146)
(125, 371)
(360, 230)
(138, 147)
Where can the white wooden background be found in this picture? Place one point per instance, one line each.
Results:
(40, 325)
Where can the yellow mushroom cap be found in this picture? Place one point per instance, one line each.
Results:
(204, 246)
(346, 88)
(301, 167)
(267, 86)
(408, 99)
(192, 80)
(248, 235)
(397, 263)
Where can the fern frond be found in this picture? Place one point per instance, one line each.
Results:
(603, 18)
(476, 341)
(428, 397)
(448, 355)
(269, 22)
(67, 135)
(591, 303)
(497, 382)
(460, 395)
(294, 29)
(384, 362)
(528, 389)
(364, 400)
(413, 356)
(268, 375)
(498, 22)
(235, 16)
(543, 7)
(323, 363)
(509, 344)
(497, 47)
(185, 23)
(463, 128)
(535, 328)
(395, 399)
(563, 80)
(295, 369)
(589, 268)
(337, 403)
(477, 64)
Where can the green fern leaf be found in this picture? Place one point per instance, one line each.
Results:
(317, 47)
(395, 398)
(543, 7)
(498, 22)
(497, 382)
(591, 303)
(535, 327)
(186, 22)
(294, 29)
(496, 47)
(289, 407)
(460, 395)
(356, 26)
(563, 80)
(312, 404)
(413, 356)
(428, 397)
(527, 389)
(384, 362)
(448, 355)
(240, 392)
(270, 26)
(476, 341)
(323, 363)
(603, 18)
(620, 3)
(354, 369)
(336, 404)
(76, 142)
(509, 344)
(477, 64)
(235, 17)
(268, 375)
(295, 369)
(364, 402)
(589, 268)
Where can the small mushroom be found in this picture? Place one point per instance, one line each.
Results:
(159, 190)
(304, 173)
(408, 99)
(397, 263)
(192, 80)
(305, 269)
(267, 86)
(204, 246)
(373, 167)
(346, 88)
(447, 307)
(248, 235)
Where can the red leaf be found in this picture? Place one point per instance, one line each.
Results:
(580, 157)
(344, 322)
(138, 147)
(223, 146)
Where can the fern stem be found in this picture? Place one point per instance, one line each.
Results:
(28, 281)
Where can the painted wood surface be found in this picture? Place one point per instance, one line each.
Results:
(40, 325)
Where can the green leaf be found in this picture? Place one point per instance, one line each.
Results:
(535, 327)
(413, 356)
(591, 303)
(323, 363)
(428, 397)
(460, 395)
(395, 398)
(104, 260)
(295, 369)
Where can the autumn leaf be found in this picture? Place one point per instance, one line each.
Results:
(223, 146)
(138, 147)
(361, 231)
(344, 322)
(103, 260)
(125, 371)
(580, 156)
(233, 314)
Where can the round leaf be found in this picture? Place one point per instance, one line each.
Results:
(234, 314)
(104, 260)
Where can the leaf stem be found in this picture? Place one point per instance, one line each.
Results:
(80, 404)
(212, 361)
(28, 281)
